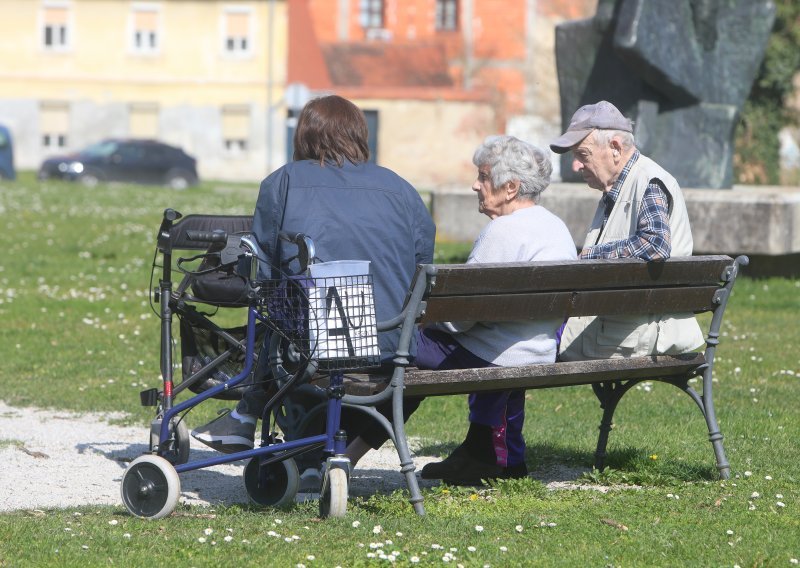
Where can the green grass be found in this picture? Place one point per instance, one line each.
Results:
(77, 334)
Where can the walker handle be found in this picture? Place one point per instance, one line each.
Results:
(306, 252)
(217, 236)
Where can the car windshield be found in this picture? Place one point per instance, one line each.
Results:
(99, 150)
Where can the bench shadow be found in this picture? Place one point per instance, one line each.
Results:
(559, 463)
(547, 463)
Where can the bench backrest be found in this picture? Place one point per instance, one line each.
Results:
(516, 291)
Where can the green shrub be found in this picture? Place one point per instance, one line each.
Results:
(757, 159)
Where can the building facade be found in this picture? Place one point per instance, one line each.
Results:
(205, 75)
(490, 63)
(224, 79)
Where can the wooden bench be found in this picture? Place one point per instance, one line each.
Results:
(507, 292)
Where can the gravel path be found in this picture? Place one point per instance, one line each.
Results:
(56, 459)
(59, 459)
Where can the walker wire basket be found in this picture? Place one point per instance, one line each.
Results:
(329, 319)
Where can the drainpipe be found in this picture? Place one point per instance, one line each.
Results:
(343, 20)
(270, 81)
(529, 71)
(468, 23)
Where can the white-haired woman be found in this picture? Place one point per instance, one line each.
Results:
(512, 174)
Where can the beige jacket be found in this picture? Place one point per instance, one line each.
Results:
(635, 336)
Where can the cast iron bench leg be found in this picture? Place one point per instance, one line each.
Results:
(608, 403)
(706, 405)
(609, 395)
(406, 463)
(714, 434)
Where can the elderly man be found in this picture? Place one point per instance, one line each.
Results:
(641, 214)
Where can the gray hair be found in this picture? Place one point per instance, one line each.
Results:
(512, 159)
(604, 137)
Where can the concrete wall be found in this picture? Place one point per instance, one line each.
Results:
(747, 219)
(430, 143)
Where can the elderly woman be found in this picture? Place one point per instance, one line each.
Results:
(511, 176)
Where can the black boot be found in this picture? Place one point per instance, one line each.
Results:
(470, 463)
(517, 471)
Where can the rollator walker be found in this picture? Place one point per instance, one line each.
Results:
(318, 321)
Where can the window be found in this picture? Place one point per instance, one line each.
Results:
(54, 141)
(446, 15)
(143, 120)
(55, 30)
(235, 128)
(372, 14)
(236, 35)
(144, 29)
(54, 125)
(372, 136)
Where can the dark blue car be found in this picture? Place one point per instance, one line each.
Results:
(124, 160)
(6, 155)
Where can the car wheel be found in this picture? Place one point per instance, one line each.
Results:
(178, 180)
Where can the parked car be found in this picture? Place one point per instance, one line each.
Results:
(6, 155)
(124, 160)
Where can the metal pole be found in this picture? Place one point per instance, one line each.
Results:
(271, 35)
(468, 23)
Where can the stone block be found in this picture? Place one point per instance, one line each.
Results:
(680, 69)
(744, 220)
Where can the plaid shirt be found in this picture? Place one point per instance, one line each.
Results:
(652, 240)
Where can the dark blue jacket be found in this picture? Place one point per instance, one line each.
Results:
(6, 155)
(353, 212)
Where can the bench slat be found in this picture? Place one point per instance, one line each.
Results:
(462, 381)
(514, 307)
(461, 279)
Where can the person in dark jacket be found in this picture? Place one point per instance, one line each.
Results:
(353, 210)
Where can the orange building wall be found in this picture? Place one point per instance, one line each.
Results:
(499, 29)
(567, 9)
(508, 86)
(415, 19)
(499, 53)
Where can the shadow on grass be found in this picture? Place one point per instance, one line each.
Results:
(219, 485)
(550, 462)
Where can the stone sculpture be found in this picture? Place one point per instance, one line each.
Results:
(681, 69)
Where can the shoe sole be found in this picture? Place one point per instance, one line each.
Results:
(310, 483)
(444, 470)
(225, 444)
(473, 482)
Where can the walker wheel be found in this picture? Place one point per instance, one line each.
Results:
(150, 487)
(274, 485)
(333, 500)
(178, 452)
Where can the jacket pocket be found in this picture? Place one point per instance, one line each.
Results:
(623, 333)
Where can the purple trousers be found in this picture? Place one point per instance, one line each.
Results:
(503, 411)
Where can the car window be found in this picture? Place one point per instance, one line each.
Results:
(3, 139)
(130, 152)
(100, 150)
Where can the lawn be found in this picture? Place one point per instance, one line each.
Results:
(78, 334)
